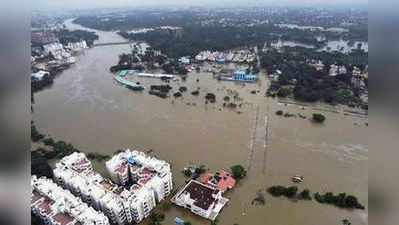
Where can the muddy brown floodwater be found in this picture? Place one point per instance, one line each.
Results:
(86, 107)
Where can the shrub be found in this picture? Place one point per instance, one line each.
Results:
(279, 113)
(35, 134)
(226, 98)
(283, 92)
(49, 141)
(305, 194)
(183, 89)
(318, 117)
(238, 171)
(340, 200)
(195, 92)
(211, 97)
(279, 190)
(177, 94)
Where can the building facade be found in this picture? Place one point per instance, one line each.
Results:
(140, 171)
(121, 205)
(57, 206)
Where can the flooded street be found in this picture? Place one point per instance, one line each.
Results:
(85, 106)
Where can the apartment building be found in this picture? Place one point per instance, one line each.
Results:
(140, 171)
(57, 206)
(121, 205)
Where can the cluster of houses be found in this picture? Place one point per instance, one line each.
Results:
(239, 56)
(61, 56)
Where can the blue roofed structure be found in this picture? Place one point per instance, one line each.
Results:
(131, 160)
(240, 75)
(178, 220)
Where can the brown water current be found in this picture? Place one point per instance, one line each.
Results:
(86, 107)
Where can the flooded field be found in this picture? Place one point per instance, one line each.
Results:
(86, 107)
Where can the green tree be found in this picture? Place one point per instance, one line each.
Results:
(238, 171)
(318, 117)
(305, 194)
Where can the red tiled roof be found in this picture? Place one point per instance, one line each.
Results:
(146, 171)
(221, 180)
(63, 218)
(121, 169)
(206, 178)
(35, 196)
(144, 180)
(46, 205)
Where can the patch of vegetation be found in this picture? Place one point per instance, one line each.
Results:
(39, 165)
(341, 200)
(162, 88)
(226, 98)
(156, 218)
(210, 97)
(279, 190)
(183, 89)
(260, 199)
(49, 141)
(66, 36)
(35, 134)
(158, 93)
(195, 93)
(177, 95)
(284, 92)
(238, 171)
(232, 105)
(97, 156)
(166, 205)
(305, 194)
(318, 117)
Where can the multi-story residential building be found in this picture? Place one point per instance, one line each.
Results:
(57, 206)
(122, 206)
(202, 199)
(142, 171)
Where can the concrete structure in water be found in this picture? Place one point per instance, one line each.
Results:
(57, 206)
(201, 199)
(120, 205)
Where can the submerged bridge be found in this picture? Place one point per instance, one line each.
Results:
(113, 43)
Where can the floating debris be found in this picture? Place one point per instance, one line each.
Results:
(297, 178)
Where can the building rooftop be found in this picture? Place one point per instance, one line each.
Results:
(221, 180)
(63, 218)
(201, 194)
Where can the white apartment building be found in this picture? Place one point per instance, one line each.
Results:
(57, 50)
(122, 206)
(77, 46)
(57, 206)
(201, 199)
(137, 169)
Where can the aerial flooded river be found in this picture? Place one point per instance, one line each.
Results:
(86, 107)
